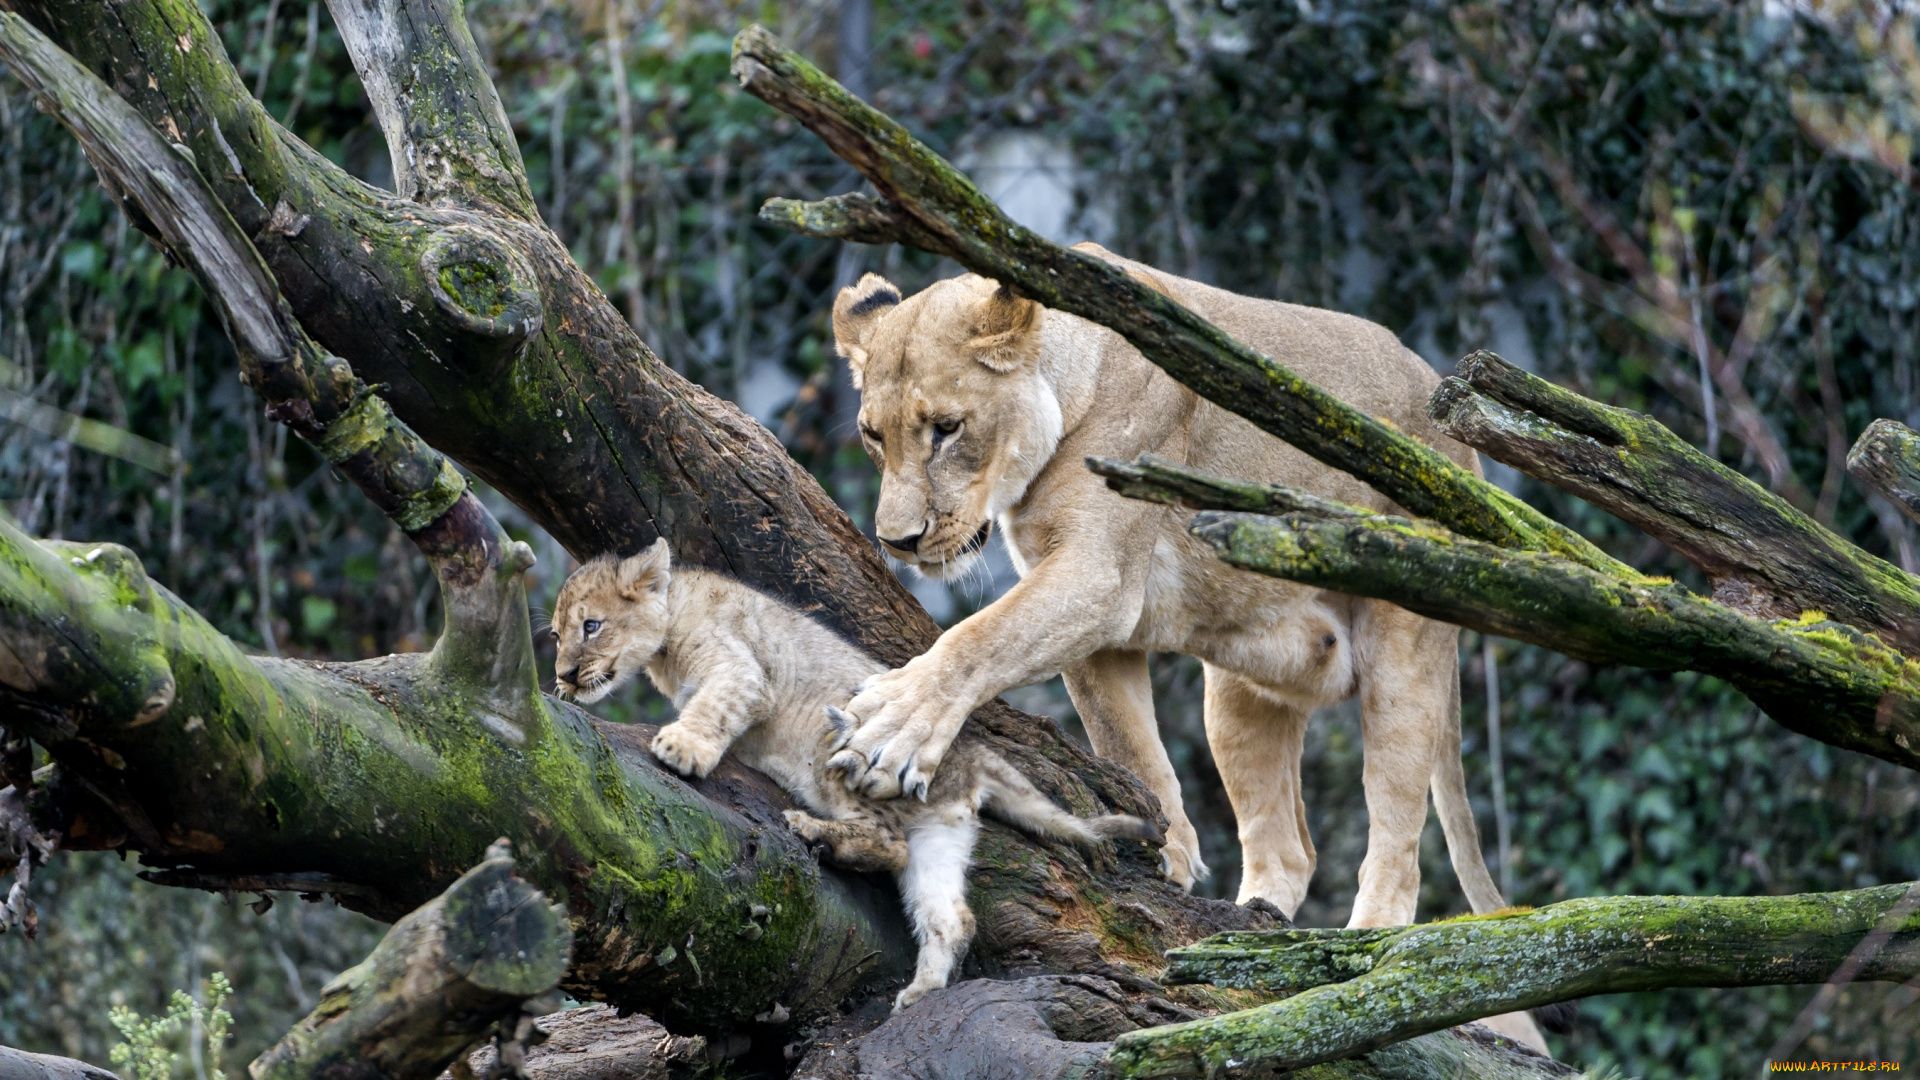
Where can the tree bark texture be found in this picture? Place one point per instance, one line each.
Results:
(1363, 989)
(473, 958)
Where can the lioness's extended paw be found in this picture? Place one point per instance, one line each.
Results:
(688, 751)
(915, 990)
(906, 724)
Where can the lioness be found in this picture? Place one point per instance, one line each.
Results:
(979, 406)
(749, 672)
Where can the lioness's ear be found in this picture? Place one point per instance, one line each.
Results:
(1003, 331)
(856, 312)
(646, 574)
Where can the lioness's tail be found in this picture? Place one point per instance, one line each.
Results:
(1456, 814)
(1013, 799)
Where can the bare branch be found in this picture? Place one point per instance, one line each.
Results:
(1886, 460)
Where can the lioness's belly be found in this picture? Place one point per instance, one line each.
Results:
(1290, 639)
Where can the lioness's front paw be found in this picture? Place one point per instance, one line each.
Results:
(906, 725)
(914, 992)
(687, 751)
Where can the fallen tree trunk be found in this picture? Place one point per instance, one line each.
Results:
(20, 1065)
(1886, 459)
(1363, 989)
(486, 954)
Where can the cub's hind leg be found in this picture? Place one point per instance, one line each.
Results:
(857, 844)
(934, 888)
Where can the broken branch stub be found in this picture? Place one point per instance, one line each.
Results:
(483, 953)
(1886, 460)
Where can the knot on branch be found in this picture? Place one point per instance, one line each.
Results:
(485, 288)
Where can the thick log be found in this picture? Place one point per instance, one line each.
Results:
(1886, 460)
(1765, 557)
(1363, 989)
(486, 953)
(1820, 678)
(925, 202)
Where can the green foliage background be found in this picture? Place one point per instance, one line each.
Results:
(1567, 183)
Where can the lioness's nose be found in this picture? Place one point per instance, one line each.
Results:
(905, 543)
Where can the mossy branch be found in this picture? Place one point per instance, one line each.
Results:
(387, 776)
(1363, 989)
(927, 203)
(1886, 460)
(1765, 557)
(484, 954)
(1822, 679)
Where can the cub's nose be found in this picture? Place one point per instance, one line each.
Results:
(905, 543)
(570, 676)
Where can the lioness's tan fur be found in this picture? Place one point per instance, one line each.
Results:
(981, 407)
(748, 672)
(1106, 580)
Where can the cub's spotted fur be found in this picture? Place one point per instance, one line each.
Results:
(747, 672)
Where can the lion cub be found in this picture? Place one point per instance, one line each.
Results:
(747, 672)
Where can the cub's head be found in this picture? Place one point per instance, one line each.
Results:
(954, 408)
(611, 619)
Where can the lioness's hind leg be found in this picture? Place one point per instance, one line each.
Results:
(1113, 691)
(1405, 696)
(1257, 743)
(857, 845)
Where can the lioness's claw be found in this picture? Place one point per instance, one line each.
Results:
(916, 784)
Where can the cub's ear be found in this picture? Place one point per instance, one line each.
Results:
(856, 311)
(1004, 331)
(642, 576)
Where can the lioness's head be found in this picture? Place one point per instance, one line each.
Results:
(610, 619)
(953, 408)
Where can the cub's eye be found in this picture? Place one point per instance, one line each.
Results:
(945, 429)
(591, 626)
(871, 434)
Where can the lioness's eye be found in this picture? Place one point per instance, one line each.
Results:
(871, 434)
(944, 429)
(591, 626)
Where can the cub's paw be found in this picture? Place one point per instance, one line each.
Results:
(687, 752)
(915, 990)
(808, 826)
